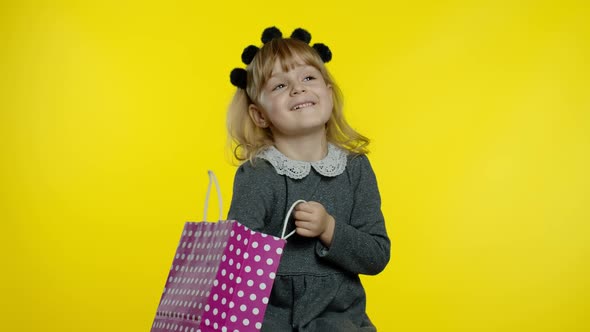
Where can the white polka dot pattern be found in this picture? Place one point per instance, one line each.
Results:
(220, 279)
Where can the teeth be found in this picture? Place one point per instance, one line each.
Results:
(302, 105)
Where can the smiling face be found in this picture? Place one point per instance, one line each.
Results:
(294, 101)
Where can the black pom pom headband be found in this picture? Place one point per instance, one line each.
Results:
(239, 76)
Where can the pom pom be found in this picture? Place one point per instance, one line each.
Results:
(302, 35)
(270, 33)
(239, 78)
(323, 51)
(249, 53)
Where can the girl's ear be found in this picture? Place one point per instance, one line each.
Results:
(257, 116)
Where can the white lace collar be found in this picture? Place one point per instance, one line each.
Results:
(332, 165)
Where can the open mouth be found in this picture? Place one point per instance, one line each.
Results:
(302, 105)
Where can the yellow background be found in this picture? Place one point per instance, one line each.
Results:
(479, 111)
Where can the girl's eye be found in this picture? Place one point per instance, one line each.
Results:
(309, 78)
(278, 86)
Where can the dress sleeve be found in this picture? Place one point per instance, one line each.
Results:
(251, 199)
(362, 245)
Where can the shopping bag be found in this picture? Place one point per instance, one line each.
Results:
(221, 276)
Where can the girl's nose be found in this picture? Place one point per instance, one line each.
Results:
(297, 89)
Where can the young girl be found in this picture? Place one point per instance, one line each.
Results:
(288, 128)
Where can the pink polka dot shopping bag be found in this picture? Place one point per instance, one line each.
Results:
(221, 277)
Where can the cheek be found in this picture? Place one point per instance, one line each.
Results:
(330, 99)
(277, 102)
(331, 108)
(267, 104)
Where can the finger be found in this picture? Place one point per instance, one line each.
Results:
(302, 215)
(307, 225)
(305, 232)
(304, 207)
(302, 224)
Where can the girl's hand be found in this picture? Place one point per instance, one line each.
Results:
(312, 220)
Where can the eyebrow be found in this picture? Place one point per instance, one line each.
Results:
(304, 66)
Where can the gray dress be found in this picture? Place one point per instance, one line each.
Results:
(316, 288)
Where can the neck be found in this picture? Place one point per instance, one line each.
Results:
(306, 148)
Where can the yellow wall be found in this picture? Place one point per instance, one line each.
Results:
(479, 111)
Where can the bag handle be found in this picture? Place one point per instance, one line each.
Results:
(213, 179)
(287, 219)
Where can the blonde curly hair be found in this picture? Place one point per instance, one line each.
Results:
(246, 139)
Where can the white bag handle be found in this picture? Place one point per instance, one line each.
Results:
(287, 219)
(213, 179)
